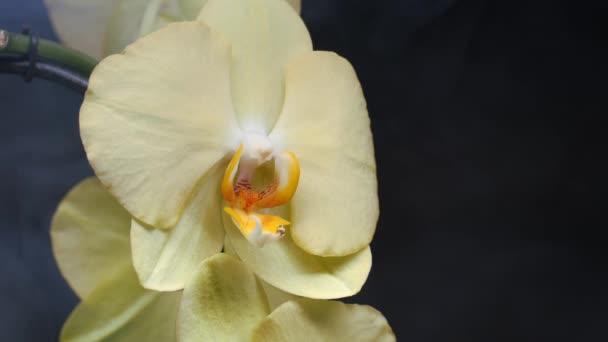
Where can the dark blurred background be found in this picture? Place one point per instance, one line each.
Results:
(490, 143)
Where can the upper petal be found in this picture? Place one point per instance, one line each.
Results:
(122, 310)
(325, 123)
(284, 265)
(322, 320)
(222, 302)
(90, 237)
(265, 35)
(157, 117)
(166, 259)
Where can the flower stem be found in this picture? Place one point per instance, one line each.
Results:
(33, 57)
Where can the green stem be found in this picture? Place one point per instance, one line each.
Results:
(19, 44)
(15, 49)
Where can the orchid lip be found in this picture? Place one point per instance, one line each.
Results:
(245, 202)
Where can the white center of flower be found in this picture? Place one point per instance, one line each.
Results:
(257, 149)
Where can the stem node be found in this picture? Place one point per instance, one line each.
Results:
(27, 55)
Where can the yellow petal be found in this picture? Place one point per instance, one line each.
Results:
(81, 24)
(296, 4)
(228, 247)
(259, 229)
(90, 237)
(275, 296)
(265, 35)
(124, 25)
(165, 260)
(228, 180)
(191, 8)
(286, 266)
(103, 27)
(287, 176)
(325, 123)
(315, 320)
(222, 302)
(157, 117)
(122, 310)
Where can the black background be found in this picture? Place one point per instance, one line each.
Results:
(490, 144)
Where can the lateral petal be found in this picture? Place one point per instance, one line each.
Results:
(325, 123)
(156, 118)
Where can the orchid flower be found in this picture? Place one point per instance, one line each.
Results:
(230, 128)
(223, 301)
(103, 27)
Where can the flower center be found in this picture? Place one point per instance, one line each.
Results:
(246, 200)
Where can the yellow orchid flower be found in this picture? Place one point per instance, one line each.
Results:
(103, 27)
(223, 301)
(233, 121)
